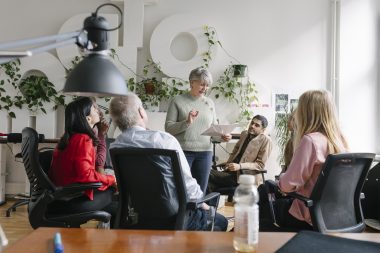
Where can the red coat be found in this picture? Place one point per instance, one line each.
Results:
(76, 164)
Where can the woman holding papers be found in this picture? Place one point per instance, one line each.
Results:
(188, 116)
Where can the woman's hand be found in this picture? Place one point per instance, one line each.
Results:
(191, 116)
(102, 127)
(226, 137)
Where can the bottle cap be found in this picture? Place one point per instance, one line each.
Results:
(246, 179)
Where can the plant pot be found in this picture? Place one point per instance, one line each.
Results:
(240, 70)
(149, 88)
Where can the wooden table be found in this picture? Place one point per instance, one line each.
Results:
(126, 241)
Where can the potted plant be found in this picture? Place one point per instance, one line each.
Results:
(283, 134)
(240, 70)
(33, 91)
(154, 87)
(240, 91)
(36, 91)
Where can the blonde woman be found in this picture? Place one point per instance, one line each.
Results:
(317, 134)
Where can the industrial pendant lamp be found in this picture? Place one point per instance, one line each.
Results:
(95, 75)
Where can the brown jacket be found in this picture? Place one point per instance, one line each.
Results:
(254, 156)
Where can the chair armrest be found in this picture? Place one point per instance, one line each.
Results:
(306, 201)
(260, 171)
(74, 190)
(194, 204)
(272, 187)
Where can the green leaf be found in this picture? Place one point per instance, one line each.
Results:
(12, 115)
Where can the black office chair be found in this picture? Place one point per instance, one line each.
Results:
(108, 163)
(371, 202)
(23, 198)
(152, 193)
(43, 191)
(334, 203)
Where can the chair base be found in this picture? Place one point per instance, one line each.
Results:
(17, 204)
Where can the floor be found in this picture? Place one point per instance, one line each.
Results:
(17, 225)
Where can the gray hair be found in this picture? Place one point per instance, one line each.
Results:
(125, 110)
(201, 74)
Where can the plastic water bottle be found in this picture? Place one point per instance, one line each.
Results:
(246, 229)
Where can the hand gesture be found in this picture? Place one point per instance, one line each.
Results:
(226, 137)
(192, 116)
(102, 125)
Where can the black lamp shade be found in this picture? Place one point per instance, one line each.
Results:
(95, 75)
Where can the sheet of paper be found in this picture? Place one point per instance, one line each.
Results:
(219, 130)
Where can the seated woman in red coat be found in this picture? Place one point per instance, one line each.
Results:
(74, 160)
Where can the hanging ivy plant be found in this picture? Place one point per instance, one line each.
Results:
(234, 90)
(38, 90)
(212, 41)
(11, 70)
(33, 91)
(151, 89)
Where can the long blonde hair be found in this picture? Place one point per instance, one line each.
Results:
(316, 113)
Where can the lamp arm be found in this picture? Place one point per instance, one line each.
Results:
(59, 40)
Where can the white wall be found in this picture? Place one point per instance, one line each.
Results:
(359, 73)
(285, 43)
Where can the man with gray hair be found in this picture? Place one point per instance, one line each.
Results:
(129, 115)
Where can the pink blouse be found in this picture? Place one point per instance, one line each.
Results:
(303, 171)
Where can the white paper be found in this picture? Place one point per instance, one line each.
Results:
(219, 130)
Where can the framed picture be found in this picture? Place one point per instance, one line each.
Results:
(293, 104)
(281, 102)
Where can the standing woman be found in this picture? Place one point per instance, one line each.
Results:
(317, 134)
(74, 160)
(188, 116)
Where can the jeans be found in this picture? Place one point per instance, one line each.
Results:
(200, 166)
(197, 221)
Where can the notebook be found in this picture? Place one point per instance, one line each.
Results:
(314, 242)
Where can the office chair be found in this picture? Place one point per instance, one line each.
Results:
(152, 193)
(23, 198)
(108, 164)
(371, 202)
(43, 191)
(334, 203)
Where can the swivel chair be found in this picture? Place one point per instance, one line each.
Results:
(44, 192)
(151, 183)
(334, 203)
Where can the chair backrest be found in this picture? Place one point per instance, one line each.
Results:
(38, 179)
(108, 164)
(151, 182)
(336, 194)
(371, 190)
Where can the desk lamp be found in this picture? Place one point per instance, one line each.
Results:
(95, 75)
